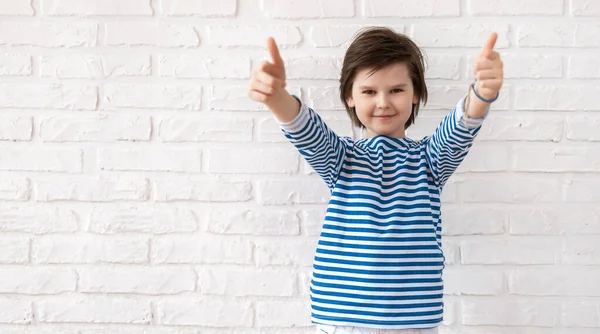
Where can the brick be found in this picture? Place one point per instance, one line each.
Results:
(151, 34)
(412, 8)
(582, 128)
(232, 98)
(288, 313)
(437, 35)
(154, 219)
(16, 128)
(584, 67)
(487, 158)
(584, 7)
(206, 129)
(90, 249)
(46, 160)
(253, 161)
(206, 312)
(313, 68)
(16, 7)
(90, 189)
(509, 251)
(253, 36)
(16, 310)
(522, 128)
(141, 96)
(299, 191)
(448, 96)
(311, 222)
(286, 253)
(333, 36)
(246, 282)
(38, 219)
(446, 66)
(49, 35)
(516, 8)
(450, 249)
(513, 189)
(201, 250)
(95, 8)
(37, 280)
(556, 159)
(581, 314)
(558, 35)
(202, 8)
(97, 309)
(13, 64)
(515, 313)
(581, 251)
(49, 96)
(14, 250)
(324, 98)
(473, 281)
(15, 189)
(203, 190)
(582, 190)
(187, 66)
(567, 220)
(89, 66)
(253, 222)
(95, 128)
(473, 221)
(526, 66)
(306, 9)
(554, 281)
(138, 280)
(557, 98)
(151, 159)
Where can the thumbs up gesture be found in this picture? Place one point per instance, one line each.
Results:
(267, 81)
(489, 70)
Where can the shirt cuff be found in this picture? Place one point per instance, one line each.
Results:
(468, 122)
(299, 122)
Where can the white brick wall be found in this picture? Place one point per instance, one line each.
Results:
(141, 191)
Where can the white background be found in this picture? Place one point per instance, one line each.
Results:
(142, 191)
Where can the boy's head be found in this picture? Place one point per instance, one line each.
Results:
(382, 82)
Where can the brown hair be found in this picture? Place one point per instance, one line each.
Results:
(375, 48)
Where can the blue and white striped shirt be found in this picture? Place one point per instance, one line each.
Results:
(379, 259)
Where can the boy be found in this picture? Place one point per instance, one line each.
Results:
(379, 261)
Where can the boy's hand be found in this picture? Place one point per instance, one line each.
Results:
(488, 70)
(267, 81)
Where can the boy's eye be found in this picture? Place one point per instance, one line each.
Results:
(397, 90)
(369, 91)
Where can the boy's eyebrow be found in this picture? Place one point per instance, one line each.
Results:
(395, 86)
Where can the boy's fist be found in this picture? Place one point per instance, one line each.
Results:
(488, 70)
(268, 78)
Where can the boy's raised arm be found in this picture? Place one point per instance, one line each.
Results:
(489, 74)
(453, 138)
(267, 85)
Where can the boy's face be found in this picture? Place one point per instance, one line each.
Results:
(383, 100)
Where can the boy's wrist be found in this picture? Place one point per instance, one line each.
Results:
(284, 106)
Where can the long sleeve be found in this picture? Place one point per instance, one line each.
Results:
(450, 143)
(319, 145)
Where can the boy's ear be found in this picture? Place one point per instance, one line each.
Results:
(350, 102)
(415, 99)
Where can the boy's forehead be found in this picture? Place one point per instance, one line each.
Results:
(397, 72)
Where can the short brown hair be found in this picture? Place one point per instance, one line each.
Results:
(375, 48)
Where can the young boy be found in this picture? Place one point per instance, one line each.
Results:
(379, 261)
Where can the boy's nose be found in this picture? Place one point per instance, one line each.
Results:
(382, 101)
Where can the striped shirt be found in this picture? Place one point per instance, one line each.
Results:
(379, 259)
